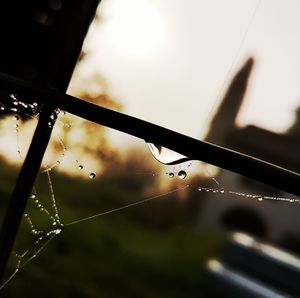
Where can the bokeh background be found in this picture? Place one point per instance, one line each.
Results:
(221, 71)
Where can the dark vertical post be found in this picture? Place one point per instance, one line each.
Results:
(24, 186)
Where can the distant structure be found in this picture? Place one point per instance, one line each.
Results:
(278, 220)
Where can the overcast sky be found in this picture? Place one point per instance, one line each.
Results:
(170, 61)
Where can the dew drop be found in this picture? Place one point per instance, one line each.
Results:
(292, 200)
(171, 175)
(14, 109)
(59, 229)
(92, 175)
(182, 174)
(80, 167)
(199, 189)
(33, 196)
(165, 155)
(260, 198)
(222, 190)
(2, 108)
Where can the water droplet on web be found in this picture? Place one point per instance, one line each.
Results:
(2, 108)
(165, 155)
(33, 196)
(80, 167)
(16, 118)
(222, 190)
(171, 175)
(292, 200)
(60, 228)
(92, 175)
(260, 198)
(182, 174)
(14, 109)
(58, 231)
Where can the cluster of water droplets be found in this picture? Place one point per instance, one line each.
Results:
(182, 174)
(16, 105)
(81, 167)
(257, 197)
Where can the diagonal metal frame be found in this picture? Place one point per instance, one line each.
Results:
(231, 160)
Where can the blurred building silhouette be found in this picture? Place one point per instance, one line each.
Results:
(279, 218)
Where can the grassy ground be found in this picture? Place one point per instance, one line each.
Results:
(150, 250)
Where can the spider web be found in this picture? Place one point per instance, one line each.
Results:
(44, 219)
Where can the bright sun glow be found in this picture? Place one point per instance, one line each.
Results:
(136, 27)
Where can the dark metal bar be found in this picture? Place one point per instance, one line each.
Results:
(251, 167)
(24, 186)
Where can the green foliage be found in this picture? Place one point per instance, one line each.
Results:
(149, 250)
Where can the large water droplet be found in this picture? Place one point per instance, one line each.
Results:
(182, 174)
(171, 175)
(92, 175)
(165, 155)
(80, 167)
